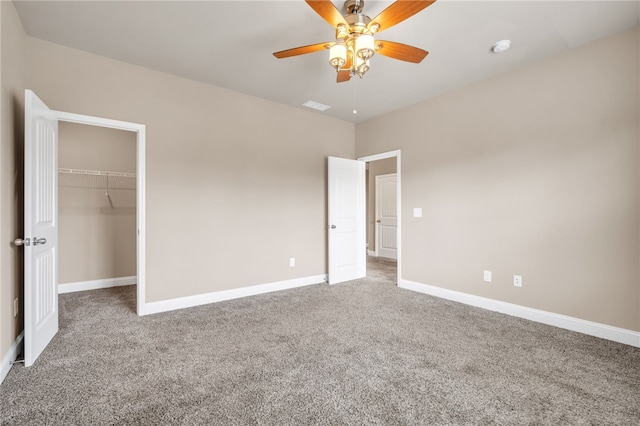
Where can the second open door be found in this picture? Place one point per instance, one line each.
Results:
(347, 220)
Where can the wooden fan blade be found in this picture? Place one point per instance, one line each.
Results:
(303, 50)
(343, 75)
(345, 72)
(328, 12)
(400, 51)
(398, 12)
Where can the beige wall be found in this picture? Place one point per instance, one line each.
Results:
(534, 172)
(97, 238)
(375, 168)
(235, 184)
(12, 39)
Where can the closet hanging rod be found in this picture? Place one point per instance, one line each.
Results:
(96, 173)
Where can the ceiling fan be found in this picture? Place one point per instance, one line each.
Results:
(355, 43)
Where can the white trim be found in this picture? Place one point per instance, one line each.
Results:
(236, 293)
(98, 121)
(141, 215)
(372, 253)
(11, 356)
(95, 284)
(140, 130)
(398, 155)
(381, 156)
(620, 335)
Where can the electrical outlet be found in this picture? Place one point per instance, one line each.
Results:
(517, 280)
(292, 262)
(487, 276)
(16, 307)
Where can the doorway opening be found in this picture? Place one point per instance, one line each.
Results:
(119, 201)
(96, 207)
(383, 213)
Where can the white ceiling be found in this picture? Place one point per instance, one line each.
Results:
(230, 44)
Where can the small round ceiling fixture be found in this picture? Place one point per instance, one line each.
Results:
(501, 46)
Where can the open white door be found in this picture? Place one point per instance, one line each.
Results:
(40, 227)
(347, 216)
(386, 231)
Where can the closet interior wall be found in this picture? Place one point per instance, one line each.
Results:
(96, 203)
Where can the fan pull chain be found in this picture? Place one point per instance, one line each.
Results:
(355, 97)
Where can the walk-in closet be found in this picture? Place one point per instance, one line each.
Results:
(97, 207)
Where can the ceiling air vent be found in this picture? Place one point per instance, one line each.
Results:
(316, 105)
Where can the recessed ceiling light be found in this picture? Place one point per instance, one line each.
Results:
(501, 46)
(316, 105)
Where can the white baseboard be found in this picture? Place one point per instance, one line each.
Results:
(371, 252)
(620, 335)
(96, 284)
(11, 356)
(236, 293)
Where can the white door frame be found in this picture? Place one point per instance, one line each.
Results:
(398, 157)
(139, 129)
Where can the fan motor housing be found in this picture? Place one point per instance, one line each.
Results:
(357, 22)
(354, 6)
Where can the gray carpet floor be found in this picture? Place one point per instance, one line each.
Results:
(362, 352)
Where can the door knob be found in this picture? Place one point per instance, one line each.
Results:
(37, 241)
(333, 227)
(20, 242)
(378, 220)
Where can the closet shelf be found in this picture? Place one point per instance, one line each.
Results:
(96, 173)
(96, 179)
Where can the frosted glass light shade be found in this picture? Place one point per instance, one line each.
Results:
(338, 56)
(364, 46)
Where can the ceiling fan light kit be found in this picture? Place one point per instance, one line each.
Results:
(355, 43)
(338, 56)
